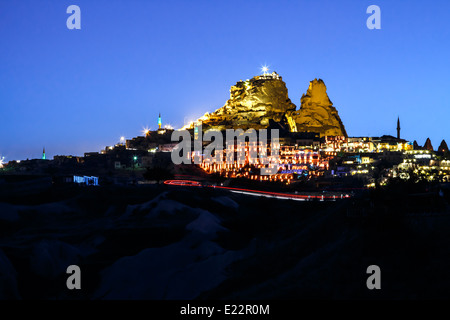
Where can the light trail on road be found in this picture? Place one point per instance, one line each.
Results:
(260, 193)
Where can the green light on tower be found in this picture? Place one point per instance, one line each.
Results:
(159, 121)
(43, 154)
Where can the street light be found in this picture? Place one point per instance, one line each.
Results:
(135, 160)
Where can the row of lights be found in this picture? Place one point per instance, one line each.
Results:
(146, 131)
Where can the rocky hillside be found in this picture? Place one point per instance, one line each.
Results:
(257, 102)
(175, 243)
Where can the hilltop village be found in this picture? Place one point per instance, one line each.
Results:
(315, 150)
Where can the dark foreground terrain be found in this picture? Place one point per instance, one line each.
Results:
(162, 242)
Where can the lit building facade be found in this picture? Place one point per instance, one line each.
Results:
(423, 165)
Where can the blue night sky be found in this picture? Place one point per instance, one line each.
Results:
(75, 91)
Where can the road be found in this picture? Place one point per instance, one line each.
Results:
(259, 193)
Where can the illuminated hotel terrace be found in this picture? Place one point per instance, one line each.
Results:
(292, 160)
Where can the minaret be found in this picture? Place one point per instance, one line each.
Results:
(398, 128)
(159, 121)
(43, 154)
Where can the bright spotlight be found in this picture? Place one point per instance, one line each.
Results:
(146, 131)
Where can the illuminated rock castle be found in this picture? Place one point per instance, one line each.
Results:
(263, 102)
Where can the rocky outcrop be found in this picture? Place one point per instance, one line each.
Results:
(252, 104)
(317, 113)
(263, 101)
(428, 145)
(443, 146)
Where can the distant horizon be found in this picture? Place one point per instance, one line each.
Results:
(77, 91)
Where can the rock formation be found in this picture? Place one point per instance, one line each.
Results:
(317, 113)
(428, 145)
(443, 146)
(252, 104)
(263, 100)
